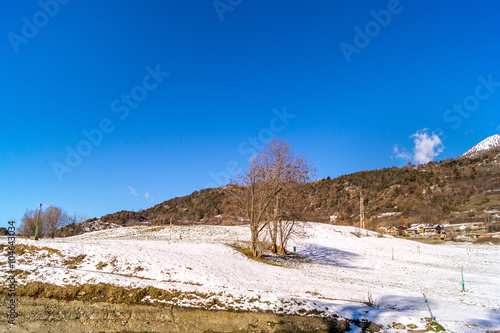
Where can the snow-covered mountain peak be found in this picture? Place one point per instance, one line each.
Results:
(483, 146)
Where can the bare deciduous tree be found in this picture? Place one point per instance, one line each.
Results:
(284, 168)
(77, 218)
(253, 194)
(266, 195)
(28, 223)
(51, 219)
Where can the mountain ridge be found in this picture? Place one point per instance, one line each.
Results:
(483, 146)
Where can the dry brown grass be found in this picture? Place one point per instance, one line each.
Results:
(431, 241)
(101, 265)
(73, 262)
(21, 249)
(248, 253)
(487, 241)
(102, 293)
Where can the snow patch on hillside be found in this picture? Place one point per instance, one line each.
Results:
(483, 146)
(336, 269)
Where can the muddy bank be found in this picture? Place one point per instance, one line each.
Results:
(48, 315)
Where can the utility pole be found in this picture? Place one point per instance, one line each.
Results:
(361, 211)
(37, 219)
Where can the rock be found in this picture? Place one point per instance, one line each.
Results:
(374, 327)
(412, 326)
(367, 325)
(398, 326)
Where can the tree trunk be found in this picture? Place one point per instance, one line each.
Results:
(282, 239)
(273, 228)
(254, 246)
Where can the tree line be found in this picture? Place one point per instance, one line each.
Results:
(51, 219)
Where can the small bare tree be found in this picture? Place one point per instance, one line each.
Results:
(28, 223)
(77, 218)
(53, 219)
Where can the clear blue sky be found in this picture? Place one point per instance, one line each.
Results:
(358, 89)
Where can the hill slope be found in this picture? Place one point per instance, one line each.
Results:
(198, 266)
(451, 191)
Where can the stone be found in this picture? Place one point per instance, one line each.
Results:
(398, 326)
(374, 327)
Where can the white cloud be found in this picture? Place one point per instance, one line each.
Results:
(427, 146)
(401, 153)
(146, 195)
(132, 190)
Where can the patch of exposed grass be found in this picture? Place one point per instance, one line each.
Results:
(101, 265)
(488, 241)
(431, 241)
(20, 249)
(20, 274)
(73, 262)
(102, 293)
(314, 312)
(313, 293)
(246, 252)
(433, 326)
(113, 262)
(192, 283)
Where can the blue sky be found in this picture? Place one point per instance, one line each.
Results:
(174, 96)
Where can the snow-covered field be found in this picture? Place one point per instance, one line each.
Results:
(334, 275)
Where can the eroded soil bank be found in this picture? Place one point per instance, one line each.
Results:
(49, 315)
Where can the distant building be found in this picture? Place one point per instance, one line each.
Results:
(402, 230)
(422, 230)
(393, 231)
(411, 232)
(382, 230)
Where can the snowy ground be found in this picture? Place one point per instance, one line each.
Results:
(334, 276)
